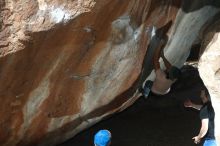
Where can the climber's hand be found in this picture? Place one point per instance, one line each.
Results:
(188, 103)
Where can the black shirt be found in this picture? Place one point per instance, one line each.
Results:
(207, 112)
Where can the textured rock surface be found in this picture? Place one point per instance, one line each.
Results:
(65, 65)
(209, 68)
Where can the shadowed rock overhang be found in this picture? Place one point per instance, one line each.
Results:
(66, 65)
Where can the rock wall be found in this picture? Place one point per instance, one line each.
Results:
(65, 65)
(209, 69)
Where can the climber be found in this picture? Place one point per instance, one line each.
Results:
(164, 78)
(102, 138)
(207, 116)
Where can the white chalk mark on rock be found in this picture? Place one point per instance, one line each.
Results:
(59, 15)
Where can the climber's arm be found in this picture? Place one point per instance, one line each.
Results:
(167, 64)
(157, 54)
(203, 130)
(189, 103)
(156, 57)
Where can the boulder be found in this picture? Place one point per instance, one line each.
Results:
(65, 65)
(209, 69)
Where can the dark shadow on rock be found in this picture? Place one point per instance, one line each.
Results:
(209, 30)
(193, 5)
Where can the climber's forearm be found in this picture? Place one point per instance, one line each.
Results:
(167, 64)
(204, 128)
(157, 57)
(196, 106)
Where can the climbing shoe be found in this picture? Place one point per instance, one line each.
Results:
(147, 88)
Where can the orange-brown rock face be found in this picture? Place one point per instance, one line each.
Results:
(65, 65)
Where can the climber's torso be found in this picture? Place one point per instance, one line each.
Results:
(161, 84)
